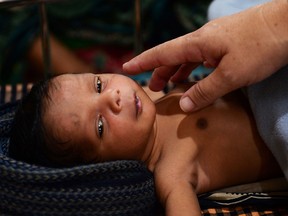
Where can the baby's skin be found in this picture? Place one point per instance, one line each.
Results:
(110, 117)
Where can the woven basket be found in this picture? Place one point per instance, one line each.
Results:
(114, 188)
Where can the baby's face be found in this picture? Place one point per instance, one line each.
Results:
(108, 115)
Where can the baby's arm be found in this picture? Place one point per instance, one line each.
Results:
(182, 200)
(177, 196)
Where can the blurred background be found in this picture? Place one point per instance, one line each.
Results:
(89, 35)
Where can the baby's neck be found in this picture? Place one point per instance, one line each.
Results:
(153, 149)
(164, 127)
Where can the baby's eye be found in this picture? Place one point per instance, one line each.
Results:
(100, 126)
(98, 85)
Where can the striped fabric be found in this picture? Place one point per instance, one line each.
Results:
(114, 188)
(246, 211)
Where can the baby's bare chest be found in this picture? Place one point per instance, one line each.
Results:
(223, 118)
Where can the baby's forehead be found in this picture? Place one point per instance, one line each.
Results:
(62, 87)
(63, 82)
(61, 124)
(66, 130)
(60, 110)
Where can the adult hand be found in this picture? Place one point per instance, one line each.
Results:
(244, 48)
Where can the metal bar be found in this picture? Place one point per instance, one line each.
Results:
(138, 31)
(44, 27)
(45, 40)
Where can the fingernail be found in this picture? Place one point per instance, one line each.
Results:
(186, 104)
(125, 64)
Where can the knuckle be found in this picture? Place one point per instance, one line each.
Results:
(160, 74)
(226, 79)
(157, 52)
(200, 96)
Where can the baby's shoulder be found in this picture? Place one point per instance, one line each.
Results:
(174, 94)
(181, 87)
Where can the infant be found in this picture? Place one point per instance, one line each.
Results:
(75, 119)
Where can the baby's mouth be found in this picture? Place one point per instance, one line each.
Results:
(138, 105)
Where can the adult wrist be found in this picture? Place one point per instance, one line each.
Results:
(275, 14)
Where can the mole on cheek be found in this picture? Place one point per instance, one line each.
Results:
(75, 119)
(202, 123)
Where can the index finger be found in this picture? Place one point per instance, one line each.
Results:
(175, 52)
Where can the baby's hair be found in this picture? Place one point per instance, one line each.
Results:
(27, 138)
(30, 141)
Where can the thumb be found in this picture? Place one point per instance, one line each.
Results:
(205, 92)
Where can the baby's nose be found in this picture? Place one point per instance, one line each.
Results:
(114, 100)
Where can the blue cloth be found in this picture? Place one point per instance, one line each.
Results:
(269, 103)
(269, 98)
(219, 8)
